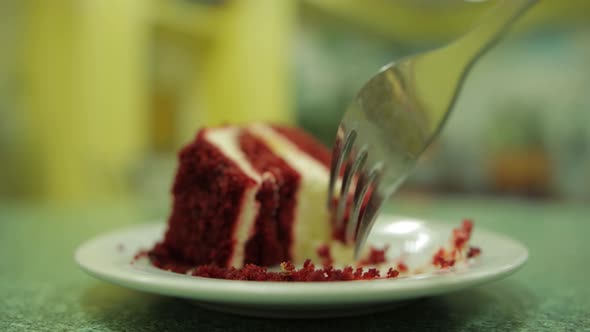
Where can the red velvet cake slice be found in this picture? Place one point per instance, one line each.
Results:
(245, 198)
(252, 194)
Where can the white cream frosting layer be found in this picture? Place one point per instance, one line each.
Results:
(227, 141)
(311, 226)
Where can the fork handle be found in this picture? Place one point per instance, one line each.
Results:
(490, 29)
(438, 75)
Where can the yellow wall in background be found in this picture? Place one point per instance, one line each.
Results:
(243, 70)
(87, 97)
(246, 71)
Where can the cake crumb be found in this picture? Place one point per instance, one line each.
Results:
(402, 267)
(473, 252)
(375, 257)
(308, 272)
(325, 255)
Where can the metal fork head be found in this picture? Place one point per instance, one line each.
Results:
(367, 166)
(394, 118)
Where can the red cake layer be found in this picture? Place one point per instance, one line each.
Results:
(273, 235)
(208, 191)
(212, 189)
(306, 143)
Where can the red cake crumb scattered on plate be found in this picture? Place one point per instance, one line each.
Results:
(442, 259)
(375, 257)
(325, 255)
(290, 273)
(473, 251)
(447, 258)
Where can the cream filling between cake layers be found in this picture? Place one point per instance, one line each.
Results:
(311, 225)
(227, 141)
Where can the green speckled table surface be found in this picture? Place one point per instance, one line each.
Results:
(41, 289)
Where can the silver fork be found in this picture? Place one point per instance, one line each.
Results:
(395, 116)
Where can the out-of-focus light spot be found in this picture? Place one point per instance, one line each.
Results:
(403, 227)
(422, 241)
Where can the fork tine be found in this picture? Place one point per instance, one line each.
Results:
(363, 223)
(359, 195)
(367, 221)
(350, 172)
(365, 182)
(335, 164)
(340, 153)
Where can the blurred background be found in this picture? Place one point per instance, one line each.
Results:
(96, 96)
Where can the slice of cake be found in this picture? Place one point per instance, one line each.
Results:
(248, 195)
(246, 198)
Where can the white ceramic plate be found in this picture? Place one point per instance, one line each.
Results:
(108, 257)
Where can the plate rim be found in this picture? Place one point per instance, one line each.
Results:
(291, 293)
